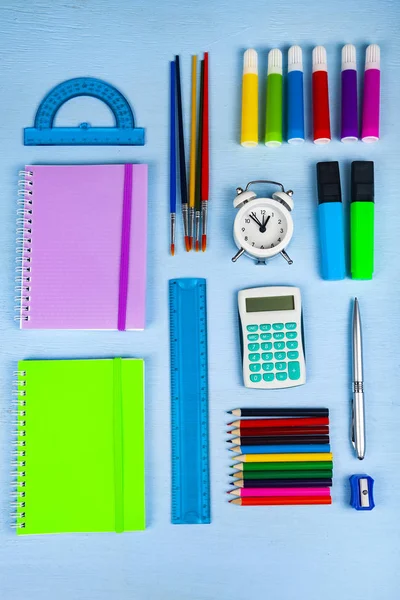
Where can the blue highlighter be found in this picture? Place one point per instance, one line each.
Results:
(330, 221)
(295, 96)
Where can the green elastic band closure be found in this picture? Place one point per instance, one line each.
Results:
(118, 447)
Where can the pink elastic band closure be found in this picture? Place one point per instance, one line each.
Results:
(125, 247)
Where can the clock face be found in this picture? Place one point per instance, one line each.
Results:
(262, 226)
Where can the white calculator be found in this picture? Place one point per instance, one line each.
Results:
(272, 337)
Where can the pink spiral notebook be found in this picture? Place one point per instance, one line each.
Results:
(82, 252)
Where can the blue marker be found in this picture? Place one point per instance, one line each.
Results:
(330, 221)
(295, 96)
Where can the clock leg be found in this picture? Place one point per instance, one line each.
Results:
(286, 257)
(238, 255)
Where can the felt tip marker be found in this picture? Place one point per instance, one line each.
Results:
(273, 132)
(295, 96)
(330, 221)
(249, 133)
(371, 98)
(349, 121)
(320, 96)
(362, 209)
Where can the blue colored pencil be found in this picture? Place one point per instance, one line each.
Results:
(290, 448)
(172, 160)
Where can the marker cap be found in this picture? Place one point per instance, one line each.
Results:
(373, 57)
(275, 62)
(250, 62)
(349, 57)
(295, 59)
(319, 59)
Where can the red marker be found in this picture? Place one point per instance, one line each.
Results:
(320, 96)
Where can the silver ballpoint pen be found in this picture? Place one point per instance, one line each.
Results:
(358, 412)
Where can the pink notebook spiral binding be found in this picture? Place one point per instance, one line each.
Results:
(81, 256)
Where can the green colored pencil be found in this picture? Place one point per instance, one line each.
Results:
(284, 466)
(282, 474)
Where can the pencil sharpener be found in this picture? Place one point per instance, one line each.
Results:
(362, 497)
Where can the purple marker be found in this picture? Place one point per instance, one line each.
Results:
(371, 100)
(349, 125)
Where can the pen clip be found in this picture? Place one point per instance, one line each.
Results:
(352, 431)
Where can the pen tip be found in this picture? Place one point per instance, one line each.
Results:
(172, 249)
(203, 243)
(187, 243)
(190, 243)
(197, 246)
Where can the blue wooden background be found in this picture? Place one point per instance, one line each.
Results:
(280, 553)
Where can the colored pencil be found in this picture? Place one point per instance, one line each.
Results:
(192, 158)
(205, 157)
(249, 475)
(284, 466)
(282, 492)
(273, 483)
(279, 501)
(280, 440)
(197, 200)
(172, 159)
(296, 457)
(182, 159)
(280, 412)
(286, 449)
(257, 431)
(297, 422)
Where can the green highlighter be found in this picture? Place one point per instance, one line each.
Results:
(273, 131)
(362, 219)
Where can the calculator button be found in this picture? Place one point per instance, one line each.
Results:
(266, 336)
(277, 326)
(268, 376)
(291, 325)
(265, 327)
(279, 345)
(266, 346)
(294, 370)
(292, 345)
(293, 355)
(254, 357)
(280, 366)
(280, 355)
(255, 378)
(267, 356)
(252, 327)
(281, 376)
(253, 347)
(268, 366)
(255, 367)
(291, 335)
(279, 336)
(252, 337)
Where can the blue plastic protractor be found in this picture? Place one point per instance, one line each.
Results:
(189, 402)
(45, 134)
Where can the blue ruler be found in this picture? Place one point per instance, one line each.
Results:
(45, 134)
(189, 401)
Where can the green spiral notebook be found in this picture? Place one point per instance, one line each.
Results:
(80, 446)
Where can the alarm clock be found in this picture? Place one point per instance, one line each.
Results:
(263, 227)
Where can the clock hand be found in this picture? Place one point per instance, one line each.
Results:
(255, 219)
(263, 227)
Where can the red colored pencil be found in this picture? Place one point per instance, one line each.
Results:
(277, 500)
(254, 431)
(296, 422)
(205, 157)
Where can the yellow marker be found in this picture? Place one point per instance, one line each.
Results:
(301, 457)
(249, 135)
(192, 161)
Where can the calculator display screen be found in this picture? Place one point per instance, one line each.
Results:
(270, 303)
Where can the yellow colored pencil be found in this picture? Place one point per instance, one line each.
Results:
(192, 160)
(301, 457)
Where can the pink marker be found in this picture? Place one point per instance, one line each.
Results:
(371, 100)
(286, 492)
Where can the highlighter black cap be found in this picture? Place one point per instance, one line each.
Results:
(328, 178)
(362, 181)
